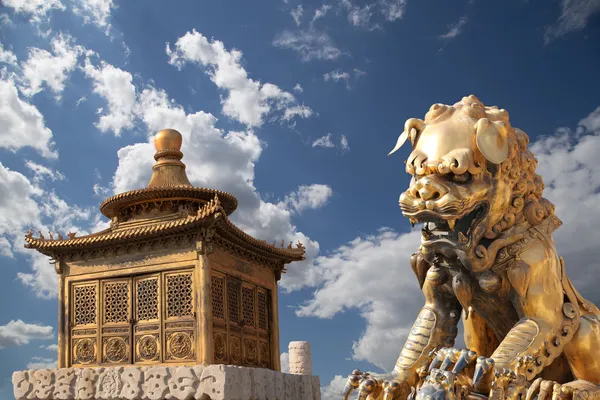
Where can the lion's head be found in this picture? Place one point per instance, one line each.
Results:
(473, 181)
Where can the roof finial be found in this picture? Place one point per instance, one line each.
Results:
(168, 170)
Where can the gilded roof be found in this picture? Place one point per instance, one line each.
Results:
(211, 215)
(169, 185)
(111, 206)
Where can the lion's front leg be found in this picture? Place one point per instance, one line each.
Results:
(548, 318)
(435, 327)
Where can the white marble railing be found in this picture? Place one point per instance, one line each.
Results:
(214, 382)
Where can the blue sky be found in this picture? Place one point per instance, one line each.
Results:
(292, 106)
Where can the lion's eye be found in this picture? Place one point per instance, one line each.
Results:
(461, 178)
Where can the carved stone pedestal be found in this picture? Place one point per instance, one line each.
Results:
(214, 382)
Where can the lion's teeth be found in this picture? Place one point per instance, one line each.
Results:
(413, 222)
(452, 224)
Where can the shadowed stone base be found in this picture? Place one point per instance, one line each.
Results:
(214, 382)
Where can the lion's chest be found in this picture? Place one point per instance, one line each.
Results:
(486, 294)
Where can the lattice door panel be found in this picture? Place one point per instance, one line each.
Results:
(248, 322)
(116, 321)
(147, 319)
(263, 300)
(84, 323)
(221, 345)
(180, 316)
(241, 322)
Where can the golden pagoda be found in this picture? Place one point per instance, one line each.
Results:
(172, 281)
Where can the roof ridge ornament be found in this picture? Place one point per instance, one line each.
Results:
(168, 170)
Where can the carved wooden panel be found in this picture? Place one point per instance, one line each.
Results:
(180, 323)
(233, 300)
(218, 296)
(179, 295)
(85, 304)
(84, 324)
(116, 321)
(248, 306)
(241, 335)
(263, 316)
(147, 331)
(145, 319)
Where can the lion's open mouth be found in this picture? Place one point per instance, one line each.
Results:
(458, 230)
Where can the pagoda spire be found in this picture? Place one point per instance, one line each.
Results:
(168, 170)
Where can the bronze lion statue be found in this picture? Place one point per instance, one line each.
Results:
(486, 254)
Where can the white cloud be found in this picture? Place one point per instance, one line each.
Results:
(18, 333)
(41, 363)
(574, 16)
(390, 299)
(22, 124)
(5, 248)
(285, 363)
(247, 101)
(335, 388)
(18, 209)
(96, 12)
(51, 69)
(41, 172)
(321, 12)
(50, 347)
(296, 111)
(38, 9)
(454, 29)
(358, 72)
(360, 16)
(327, 142)
(307, 196)
(336, 76)
(116, 87)
(296, 13)
(309, 44)
(344, 143)
(5, 20)
(298, 88)
(392, 9)
(7, 56)
(324, 141)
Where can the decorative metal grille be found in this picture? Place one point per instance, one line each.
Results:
(262, 310)
(116, 302)
(179, 295)
(85, 305)
(147, 299)
(233, 300)
(248, 306)
(218, 297)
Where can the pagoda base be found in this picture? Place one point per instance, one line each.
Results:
(200, 382)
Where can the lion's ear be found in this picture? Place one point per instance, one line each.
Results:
(492, 140)
(412, 128)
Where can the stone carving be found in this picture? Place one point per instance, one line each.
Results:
(300, 358)
(217, 382)
(64, 384)
(42, 384)
(183, 382)
(85, 383)
(22, 384)
(109, 384)
(132, 379)
(155, 383)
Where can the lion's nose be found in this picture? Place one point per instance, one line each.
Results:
(428, 189)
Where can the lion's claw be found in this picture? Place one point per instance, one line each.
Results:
(483, 366)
